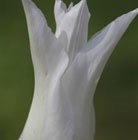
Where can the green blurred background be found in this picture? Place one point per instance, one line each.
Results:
(116, 98)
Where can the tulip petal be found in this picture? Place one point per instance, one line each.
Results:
(80, 79)
(46, 50)
(100, 47)
(75, 24)
(77, 90)
(60, 10)
(50, 61)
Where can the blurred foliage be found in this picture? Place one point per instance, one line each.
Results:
(116, 98)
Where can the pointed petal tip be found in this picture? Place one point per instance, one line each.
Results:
(70, 6)
(135, 11)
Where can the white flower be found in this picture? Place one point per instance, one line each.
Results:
(67, 69)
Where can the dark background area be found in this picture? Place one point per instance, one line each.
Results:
(116, 97)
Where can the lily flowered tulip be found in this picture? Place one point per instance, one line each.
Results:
(67, 68)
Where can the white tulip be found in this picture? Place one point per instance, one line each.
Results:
(67, 69)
